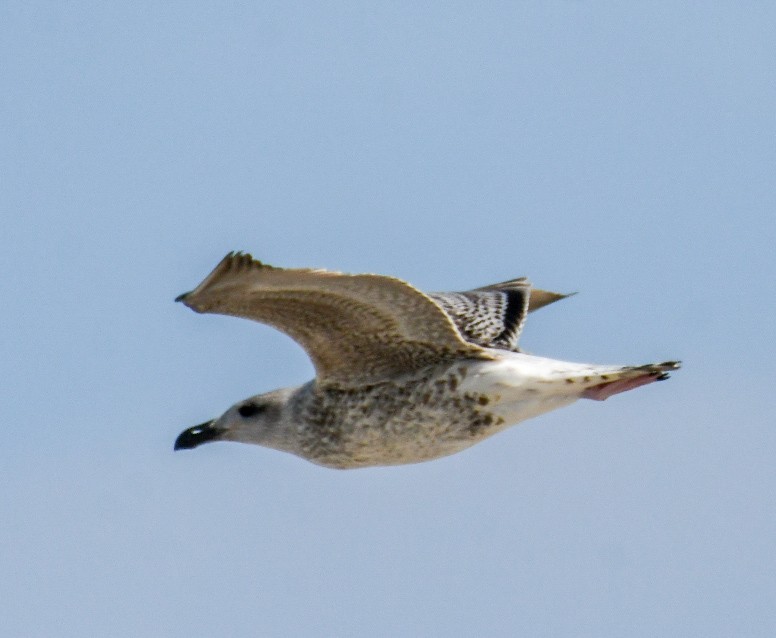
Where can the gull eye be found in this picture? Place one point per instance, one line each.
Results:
(249, 409)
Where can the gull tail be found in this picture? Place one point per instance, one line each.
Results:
(599, 386)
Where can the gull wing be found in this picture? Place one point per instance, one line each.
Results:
(493, 316)
(357, 329)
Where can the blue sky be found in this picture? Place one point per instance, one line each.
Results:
(623, 150)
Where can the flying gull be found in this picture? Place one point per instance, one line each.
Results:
(401, 376)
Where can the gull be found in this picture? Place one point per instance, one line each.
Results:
(401, 376)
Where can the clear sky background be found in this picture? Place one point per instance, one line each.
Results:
(623, 150)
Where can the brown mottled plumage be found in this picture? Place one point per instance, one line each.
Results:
(356, 328)
(402, 376)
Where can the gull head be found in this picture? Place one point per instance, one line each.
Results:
(259, 419)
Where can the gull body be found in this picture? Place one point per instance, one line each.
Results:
(392, 394)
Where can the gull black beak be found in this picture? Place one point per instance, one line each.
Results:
(199, 434)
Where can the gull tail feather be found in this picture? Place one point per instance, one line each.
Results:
(601, 385)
